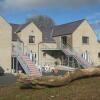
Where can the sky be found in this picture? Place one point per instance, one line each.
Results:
(61, 11)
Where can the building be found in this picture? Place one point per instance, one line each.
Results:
(5, 44)
(73, 44)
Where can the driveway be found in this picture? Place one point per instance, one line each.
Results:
(7, 79)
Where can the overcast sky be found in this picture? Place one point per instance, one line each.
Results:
(61, 11)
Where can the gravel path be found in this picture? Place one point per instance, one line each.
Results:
(7, 79)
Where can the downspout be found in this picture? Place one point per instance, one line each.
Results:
(38, 51)
(23, 46)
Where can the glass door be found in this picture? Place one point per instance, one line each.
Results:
(64, 41)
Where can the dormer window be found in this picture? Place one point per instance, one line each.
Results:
(31, 39)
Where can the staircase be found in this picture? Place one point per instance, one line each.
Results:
(71, 52)
(28, 66)
(26, 63)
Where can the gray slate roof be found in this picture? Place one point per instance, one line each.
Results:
(98, 41)
(48, 34)
(22, 26)
(47, 38)
(66, 29)
(14, 35)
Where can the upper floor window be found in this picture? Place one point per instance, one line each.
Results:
(64, 40)
(31, 39)
(99, 55)
(85, 40)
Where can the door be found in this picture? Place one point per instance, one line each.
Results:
(64, 41)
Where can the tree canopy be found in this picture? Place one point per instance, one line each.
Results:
(42, 21)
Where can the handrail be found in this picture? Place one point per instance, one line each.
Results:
(22, 62)
(74, 53)
(19, 53)
(20, 49)
(45, 46)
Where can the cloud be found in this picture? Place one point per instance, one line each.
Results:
(96, 25)
(17, 5)
(31, 4)
(94, 16)
(95, 20)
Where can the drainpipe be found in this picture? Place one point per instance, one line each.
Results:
(38, 51)
(23, 46)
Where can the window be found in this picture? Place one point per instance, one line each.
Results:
(31, 39)
(33, 56)
(99, 55)
(85, 40)
(64, 40)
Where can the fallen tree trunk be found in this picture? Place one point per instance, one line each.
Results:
(55, 81)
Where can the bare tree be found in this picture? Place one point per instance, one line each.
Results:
(42, 21)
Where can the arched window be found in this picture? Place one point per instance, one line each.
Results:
(86, 56)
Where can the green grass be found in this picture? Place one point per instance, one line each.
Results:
(84, 89)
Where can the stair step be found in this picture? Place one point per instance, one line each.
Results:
(29, 61)
(35, 74)
(33, 70)
(30, 65)
(67, 51)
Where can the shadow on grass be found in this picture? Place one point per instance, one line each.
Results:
(85, 77)
(7, 79)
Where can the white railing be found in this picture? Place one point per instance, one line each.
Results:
(46, 46)
(23, 64)
(18, 52)
(76, 55)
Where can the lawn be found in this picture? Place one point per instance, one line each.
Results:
(84, 89)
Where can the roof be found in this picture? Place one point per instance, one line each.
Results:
(14, 27)
(22, 26)
(66, 29)
(14, 35)
(98, 41)
(47, 35)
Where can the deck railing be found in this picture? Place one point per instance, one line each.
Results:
(71, 51)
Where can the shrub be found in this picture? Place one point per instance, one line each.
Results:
(1, 71)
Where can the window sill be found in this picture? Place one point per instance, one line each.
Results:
(31, 43)
(85, 43)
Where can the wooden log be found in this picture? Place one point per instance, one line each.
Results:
(56, 81)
